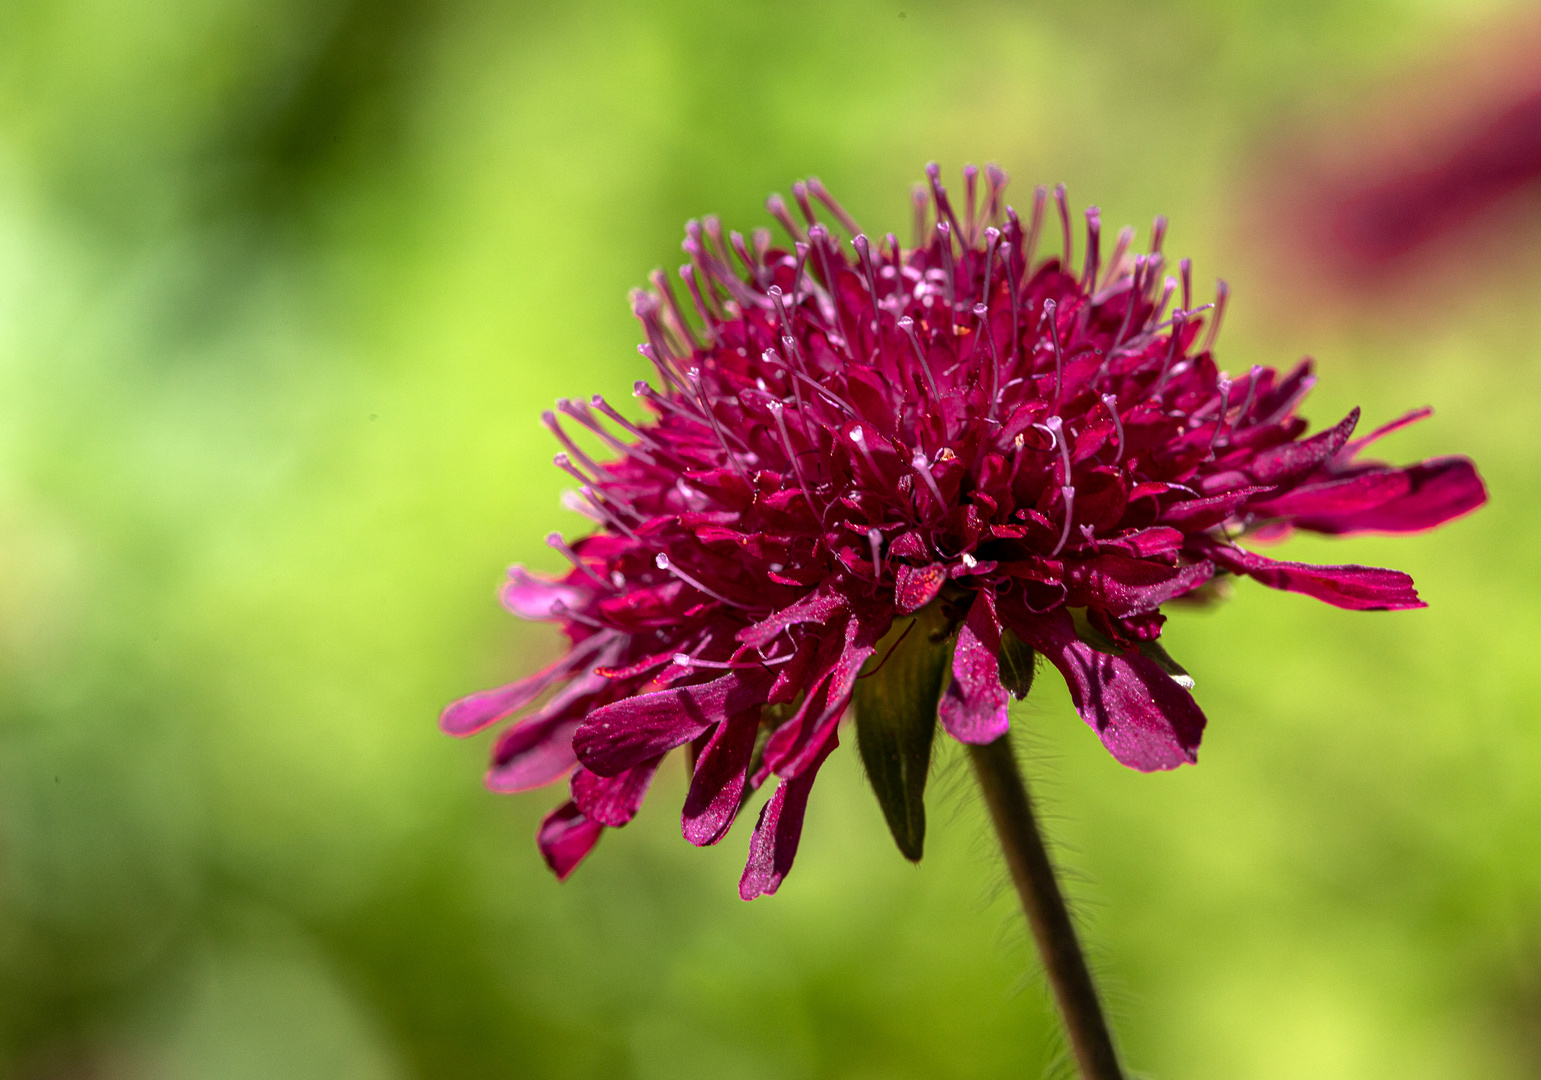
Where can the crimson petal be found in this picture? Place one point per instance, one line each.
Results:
(628, 732)
(1357, 588)
(565, 837)
(779, 829)
(974, 707)
(1145, 719)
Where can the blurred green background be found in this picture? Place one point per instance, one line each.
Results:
(284, 287)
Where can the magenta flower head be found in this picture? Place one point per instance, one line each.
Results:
(886, 480)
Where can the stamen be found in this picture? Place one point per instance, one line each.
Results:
(859, 438)
(875, 539)
(1179, 321)
(1016, 459)
(686, 660)
(992, 238)
(792, 459)
(921, 201)
(1093, 250)
(1225, 407)
(847, 222)
(1246, 405)
(660, 281)
(711, 416)
(1120, 249)
(829, 395)
(1132, 301)
(1064, 225)
(555, 540)
(982, 314)
(970, 184)
(643, 437)
(898, 258)
(671, 381)
(777, 206)
(1157, 234)
(579, 412)
(1011, 284)
(1056, 428)
(996, 179)
(800, 193)
(864, 256)
(1110, 402)
(1051, 313)
(562, 611)
(1186, 268)
(662, 562)
(1222, 294)
(944, 236)
(907, 325)
(921, 466)
(1034, 229)
(741, 249)
(1068, 494)
(549, 419)
(818, 237)
(718, 248)
(939, 193)
(688, 275)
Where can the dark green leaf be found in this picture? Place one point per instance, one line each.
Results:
(1018, 662)
(895, 701)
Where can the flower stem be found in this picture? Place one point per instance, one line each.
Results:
(1005, 793)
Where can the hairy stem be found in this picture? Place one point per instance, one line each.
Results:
(1044, 904)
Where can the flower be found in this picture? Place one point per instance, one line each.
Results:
(867, 466)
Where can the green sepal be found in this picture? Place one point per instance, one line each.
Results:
(895, 700)
(1151, 650)
(1017, 663)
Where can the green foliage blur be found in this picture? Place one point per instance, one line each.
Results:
(284, 287)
